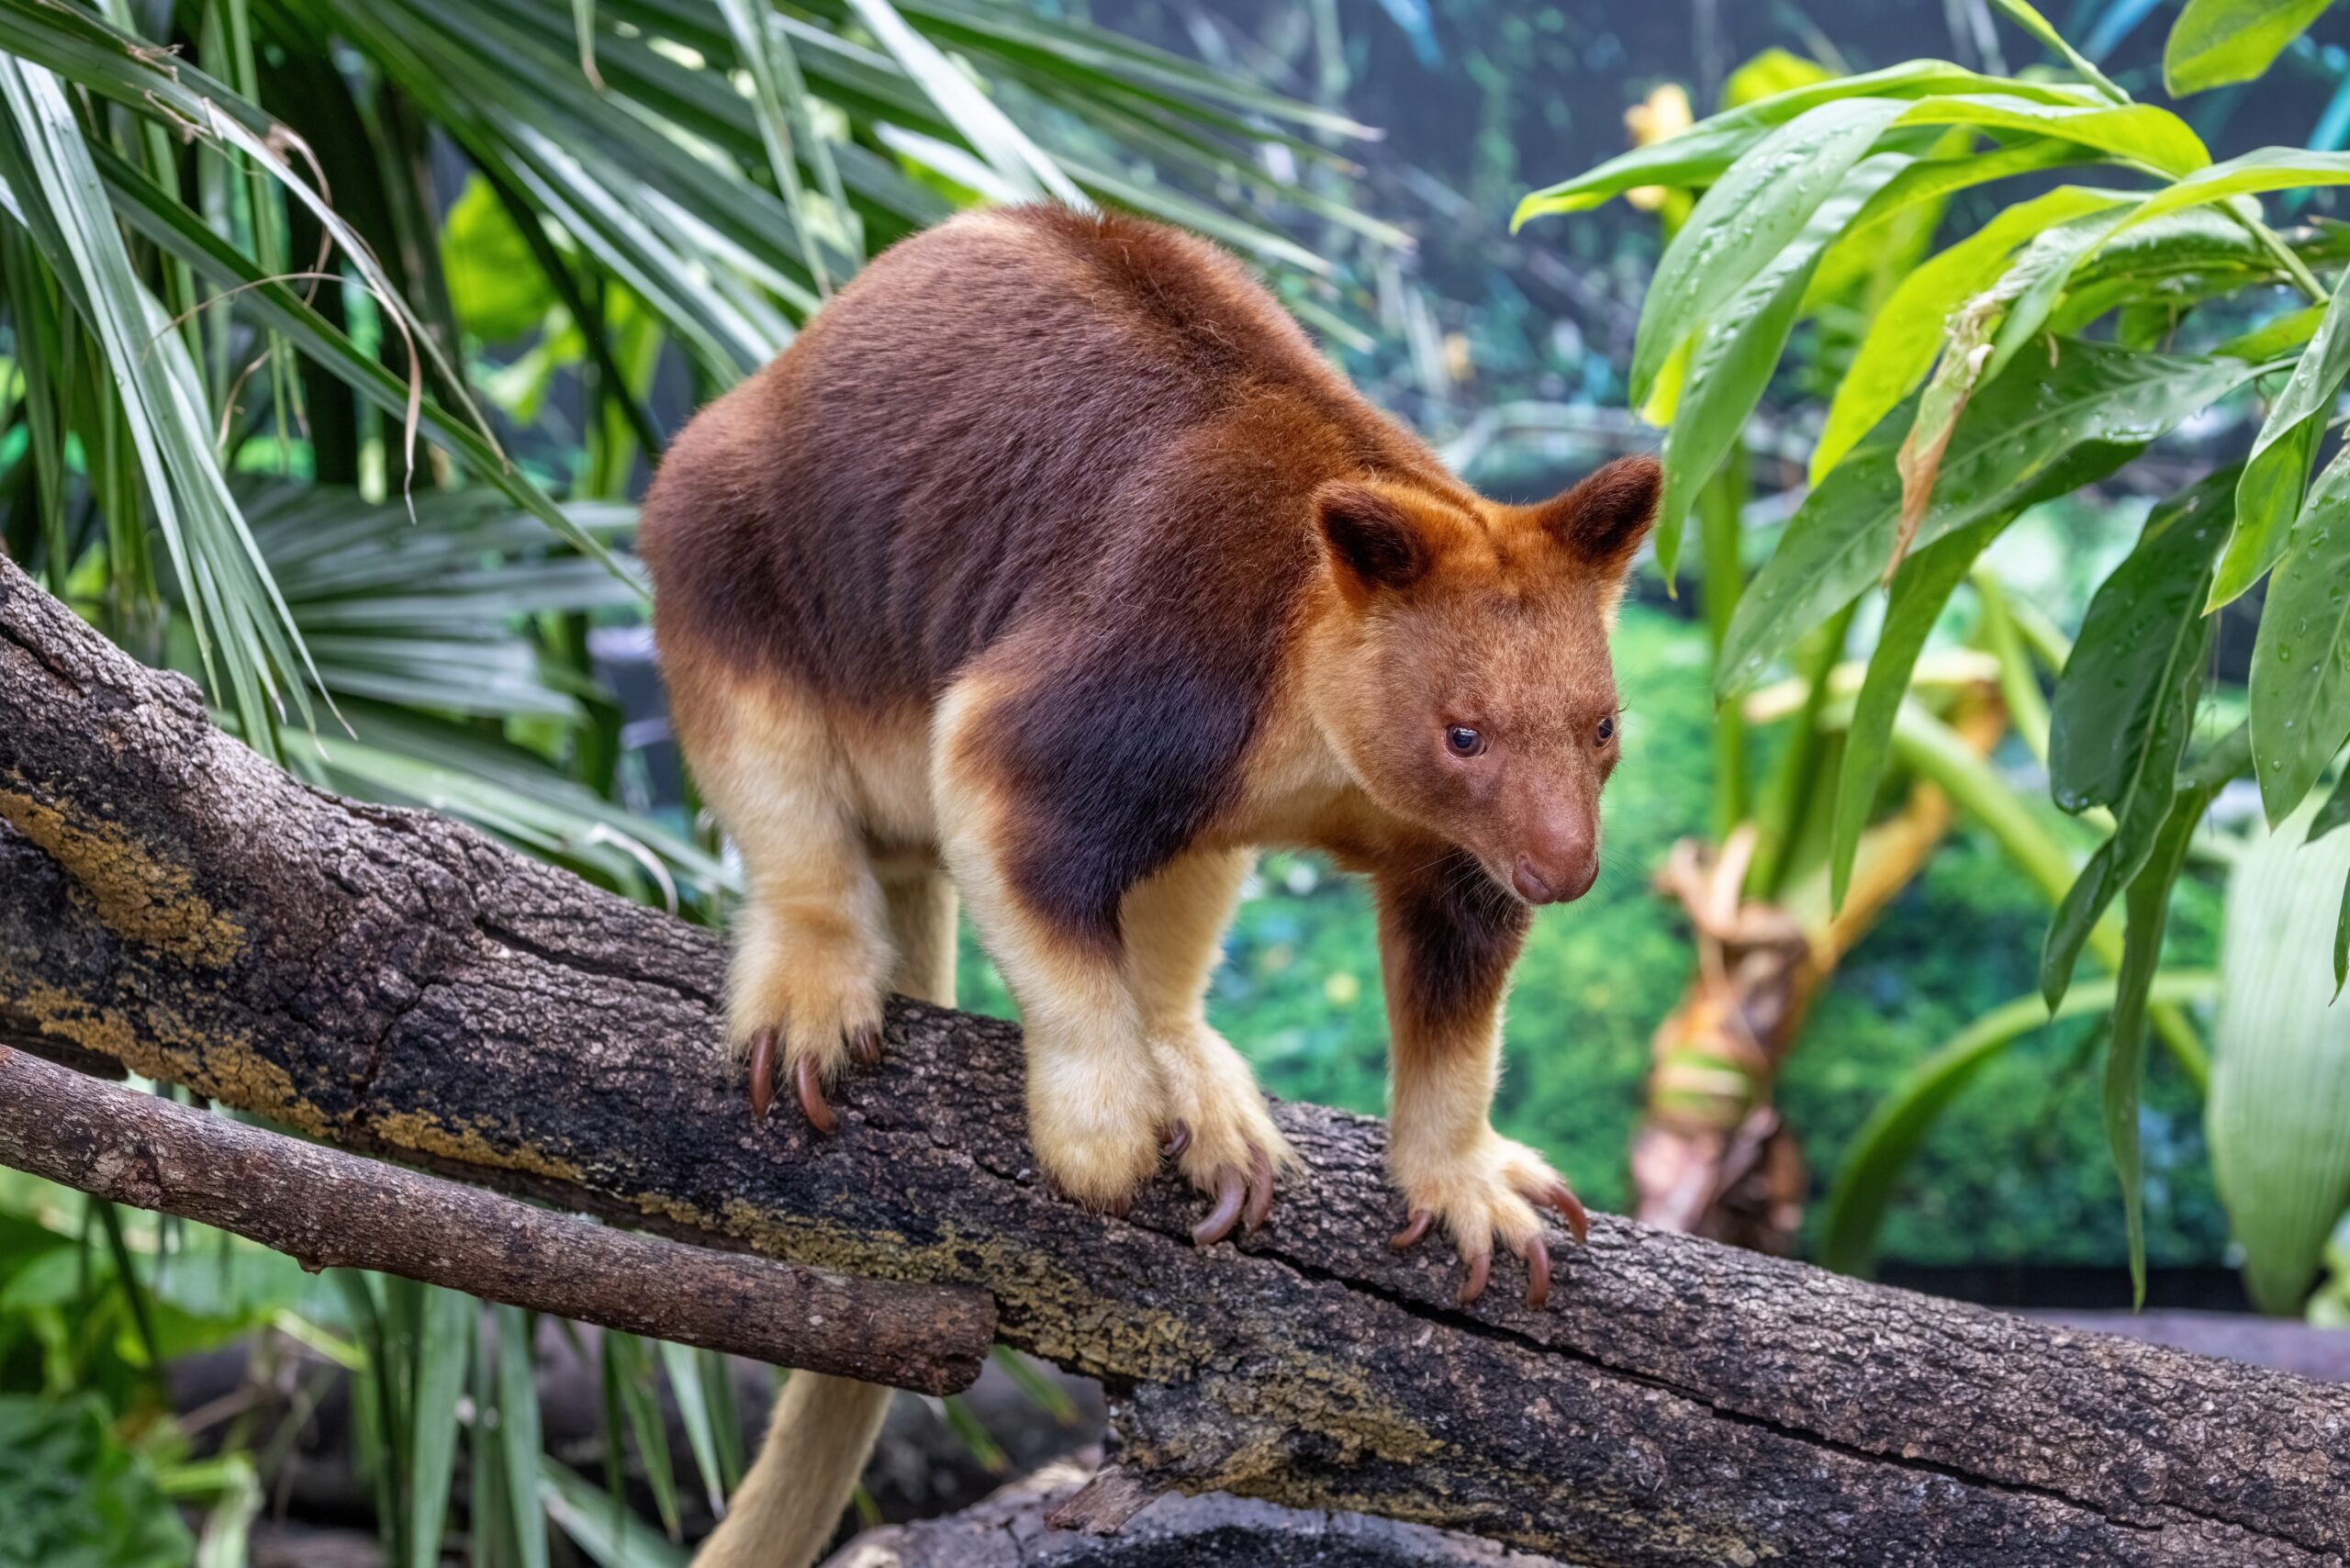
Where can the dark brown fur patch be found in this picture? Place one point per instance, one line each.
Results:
(1450, 934)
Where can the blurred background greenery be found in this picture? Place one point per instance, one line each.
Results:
(569, 223)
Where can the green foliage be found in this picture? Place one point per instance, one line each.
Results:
(1990, 381)
(73, 1495)
(2215, 42)
(2280, 1114)
(1870, 1175)
(2125, 704)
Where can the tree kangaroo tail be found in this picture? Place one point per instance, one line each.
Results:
(824, 1428)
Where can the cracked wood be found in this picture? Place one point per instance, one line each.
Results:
(395, 982)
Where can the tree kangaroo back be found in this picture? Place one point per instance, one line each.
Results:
(1053, 566)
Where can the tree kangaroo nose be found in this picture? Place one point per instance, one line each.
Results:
(1558, 867)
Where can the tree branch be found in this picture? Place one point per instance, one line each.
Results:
(389, 980)
(332, 1210)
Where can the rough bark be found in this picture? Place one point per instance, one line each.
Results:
(1015, 1529)
(335, 1210)
(394, 982)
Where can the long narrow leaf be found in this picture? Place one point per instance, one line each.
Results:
(518, 1430)
(2300, 657)
(1919, 590)
(443, 1354)
(2268, 497)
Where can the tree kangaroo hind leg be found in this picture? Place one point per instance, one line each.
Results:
(1095, 1103)
(812, 947)
(1225, 1141)
(822, 1428)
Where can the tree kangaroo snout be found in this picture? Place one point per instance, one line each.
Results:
(1055, 558)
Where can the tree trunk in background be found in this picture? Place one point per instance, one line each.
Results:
(391, 981)
(1712, 1156)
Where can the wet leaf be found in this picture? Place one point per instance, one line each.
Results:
(2037, 431)
(2300, 657)
(2215, 42)
(2269, 498)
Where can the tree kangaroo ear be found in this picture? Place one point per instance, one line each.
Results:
(1374, 542)
(1602, 520)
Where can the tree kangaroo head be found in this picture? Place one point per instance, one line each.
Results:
(1462, 667)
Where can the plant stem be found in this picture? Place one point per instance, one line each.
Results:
(1719, 506)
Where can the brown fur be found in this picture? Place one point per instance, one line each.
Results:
(1055, 553)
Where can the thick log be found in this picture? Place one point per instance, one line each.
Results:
(1015, 1529)
(335, 1210)
(392, 982)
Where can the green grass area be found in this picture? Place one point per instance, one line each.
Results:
(2017, 1170)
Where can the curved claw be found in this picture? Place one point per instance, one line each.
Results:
(865, 1044)
(1177, 1141)
(1414, 1228)
(1570, 1207)
(762, 1073)
(1261, 1191)
(1538, 1276)
(1479, 1267)
(811, 1096)
(1231, 1190)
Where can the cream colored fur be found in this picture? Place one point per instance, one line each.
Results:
(822, 1428)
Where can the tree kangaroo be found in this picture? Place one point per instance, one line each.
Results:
(1054, 567)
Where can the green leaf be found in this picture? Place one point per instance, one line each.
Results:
(1737, 349)
(1769, 74)
(1983, 336)
(1699, 155)
(2137, 133)
(1760, 204)
(2037, 431)
(252, 656)
(693, 1412)
(2215, 42)
(631, 1359)
(2140, 817)
(2141, 629)
(2125, 706)
(1007, 148)
(1870, 1177)
(495, 284)
(602, 1525)
(2269, 498)
(443, 1352)
(2301, 656)
(2336, 813)
(172, 226)
(2278, 1114)
(763, 54)
(517, 1432)
(2342, 943)
(2277, 338)
(1906, 333)
(1919, 590)
(2264, 169)
(2147, 912)
(71, 1492)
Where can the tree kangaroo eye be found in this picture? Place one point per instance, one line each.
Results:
(1465, 741)
(1607, 729)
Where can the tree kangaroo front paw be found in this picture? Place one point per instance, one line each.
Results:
(1494, 1189)
(1221, 1134)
